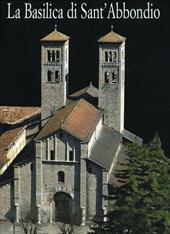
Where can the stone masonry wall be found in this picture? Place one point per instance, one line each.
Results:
(94, 192)
(26, 189)
(6, 201)
(111, 93)
(60, 144)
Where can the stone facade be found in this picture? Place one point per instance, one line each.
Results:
(7, 202)
(54, 74)
(52, 158)
(112, 83)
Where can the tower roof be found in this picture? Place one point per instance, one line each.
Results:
(55, 36)
(112, 37)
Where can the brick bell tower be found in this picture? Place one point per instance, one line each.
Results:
(54, 73)
(112, 79)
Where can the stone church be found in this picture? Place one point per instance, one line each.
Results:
(57, 162)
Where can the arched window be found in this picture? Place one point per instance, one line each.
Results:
(110, 56)
(48, 55)
(113, 77)
(106, 77)
(57, 79)
(53, 56)
(114, 55)
(61, 176)
(71, 155)
(49, 76)
(58, 55)
(52, 155)
(106, 56)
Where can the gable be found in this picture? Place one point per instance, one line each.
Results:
(78, 119)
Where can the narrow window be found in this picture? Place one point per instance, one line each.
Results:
(53, 56)
(71, 155)
(113, 76)
(61, 176)
(58, 55)
(49, 55)
(61, 135)
(106, 77)
(31, 167)
(114, 55)
(57, 79)
(52, 155)
(110, 56)
(106, 56)
(49, 76)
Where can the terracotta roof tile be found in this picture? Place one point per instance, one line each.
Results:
(91, 90)
(78, 119)
(90, 94)
(6, 140)
(55, 36)
(10, 115)
(112, 37)
(82, 120)
(55, 122)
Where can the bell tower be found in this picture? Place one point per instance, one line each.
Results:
(54, 73)
(112, 79)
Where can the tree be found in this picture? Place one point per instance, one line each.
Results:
(27, 222)
(66, 228)
(69, 228)
(141, 204)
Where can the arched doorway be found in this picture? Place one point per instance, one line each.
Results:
(63, 207)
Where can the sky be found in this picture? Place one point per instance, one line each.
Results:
(147, 95)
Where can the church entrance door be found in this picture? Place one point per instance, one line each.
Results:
(63, 207)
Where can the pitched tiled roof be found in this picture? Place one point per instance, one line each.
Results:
(112, 37)
(105, 147)
(5, 141)
(89, 93)
(79, 119)
(91, 90)
(13, 114)
(55, 36)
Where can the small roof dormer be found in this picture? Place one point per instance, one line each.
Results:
(112, 37)
(55, 36)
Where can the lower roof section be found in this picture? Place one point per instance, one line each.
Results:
(132, 137)
(105, 147)
(16, 114)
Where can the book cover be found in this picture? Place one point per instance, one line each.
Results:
(144, 24)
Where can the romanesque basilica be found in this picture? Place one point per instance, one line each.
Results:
(57, 161)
